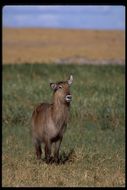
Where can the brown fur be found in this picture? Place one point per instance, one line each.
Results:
(49, 121)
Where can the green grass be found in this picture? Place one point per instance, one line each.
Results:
(95, 136)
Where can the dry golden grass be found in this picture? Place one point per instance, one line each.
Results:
(29, 172)
(49, 45)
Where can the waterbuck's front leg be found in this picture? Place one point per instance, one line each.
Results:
(38, 150)
(48, 151)
(56, 151)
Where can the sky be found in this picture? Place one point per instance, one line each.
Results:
(77, 17)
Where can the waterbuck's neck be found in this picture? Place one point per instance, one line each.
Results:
(60, 110)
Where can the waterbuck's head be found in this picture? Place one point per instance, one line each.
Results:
(62, 90)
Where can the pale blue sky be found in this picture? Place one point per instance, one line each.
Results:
(79, 17)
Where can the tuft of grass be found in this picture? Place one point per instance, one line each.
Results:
(93, 147)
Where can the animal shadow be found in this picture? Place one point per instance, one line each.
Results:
(64, 158)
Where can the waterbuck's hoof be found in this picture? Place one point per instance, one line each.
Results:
(56, 160)
(39, 158)
(49, 160)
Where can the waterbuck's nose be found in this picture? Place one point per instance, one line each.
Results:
(68, 98)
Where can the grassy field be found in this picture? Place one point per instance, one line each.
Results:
(94, 142)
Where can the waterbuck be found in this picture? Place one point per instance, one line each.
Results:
(49, 121)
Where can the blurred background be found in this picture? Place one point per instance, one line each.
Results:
(63, 34)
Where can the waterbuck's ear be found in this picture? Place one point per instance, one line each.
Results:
(53, 86)
(70, 80)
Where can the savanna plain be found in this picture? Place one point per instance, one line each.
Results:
(93, 148)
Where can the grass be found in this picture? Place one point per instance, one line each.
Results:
(94, 142)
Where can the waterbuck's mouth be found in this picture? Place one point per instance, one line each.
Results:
(68, 98)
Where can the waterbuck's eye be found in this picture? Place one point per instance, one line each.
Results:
(60, 86)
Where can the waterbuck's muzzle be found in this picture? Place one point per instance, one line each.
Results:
(68, 98)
